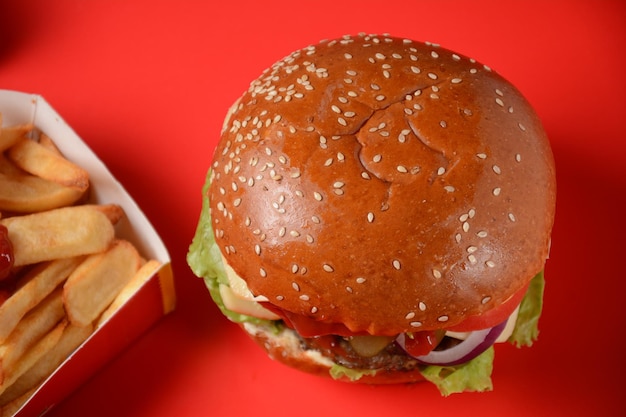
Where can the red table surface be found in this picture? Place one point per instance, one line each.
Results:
(147, 83)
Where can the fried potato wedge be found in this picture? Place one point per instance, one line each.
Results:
(95, 283)
(72, 337)
(35, 287)
(143, 274)
(61, 233)
(30, 329)
(39, 161)
(36, 352)
(25, 193)
(9, 136)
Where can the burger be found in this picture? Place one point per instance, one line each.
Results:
(379, 210)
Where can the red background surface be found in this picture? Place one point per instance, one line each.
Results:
(146, 84)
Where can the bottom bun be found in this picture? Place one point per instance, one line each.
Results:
(286, 346)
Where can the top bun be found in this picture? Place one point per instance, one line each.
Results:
(385, 184)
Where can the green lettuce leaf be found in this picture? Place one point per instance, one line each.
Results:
(527, 326)
(474, 375)
(205, 260)
(337, 372)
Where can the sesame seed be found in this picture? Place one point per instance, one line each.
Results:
(294, 268)
(282, 231)
(377, 158)
(396, 264)
(360, 280)
(442, 319)
(295, 286)
(466, 227)
(370, 217)
(499, 102)
(365, 175)
(410, 315)
(416, 324)
(432, 76)
(316, 219)
(262, 272)
(280, 297)
(481, 155)
(449, 188)
(511, 217)
(482, 233)
(314, 310)
(294, 233)
(497, 169)
(490, 264)
(518, 158)
(496, 191)
(422, 306)
(317, 196)
(328, 268)
(402, 169)
(472, 249)
(522, 127)
(257, 249)
(456, 81)
(485, 300)
(441, 171)
(304, 297)
(309, 238)
(338, 184)
(436, 273)
(415, 69)
(472, 259)
(443, 124)
(349, 289)
(237, 202)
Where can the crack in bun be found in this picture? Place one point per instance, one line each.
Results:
(384, 184)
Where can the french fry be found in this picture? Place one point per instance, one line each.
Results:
(33, 327)
(72, 272)
(47, 142)
(37, 160)
(113, 212)
(60, 233)
(72, 337)
(12, 407)
(37, 351)
(141, 276)
(37, 285)
(22, 193)
(95, 283)
(11, 135)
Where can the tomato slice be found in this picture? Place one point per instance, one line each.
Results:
(492, 317)
(421, 343)
(308, 327)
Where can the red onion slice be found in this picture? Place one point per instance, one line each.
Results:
(475, 344)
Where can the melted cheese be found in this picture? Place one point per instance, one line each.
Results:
(237, 297)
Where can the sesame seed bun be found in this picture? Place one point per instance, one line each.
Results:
(384, 184)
